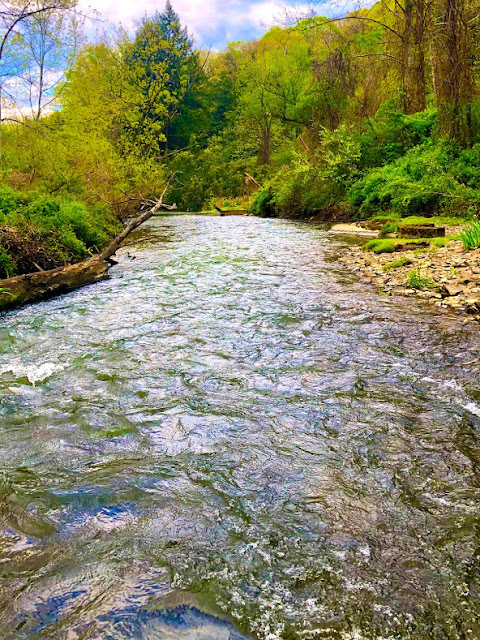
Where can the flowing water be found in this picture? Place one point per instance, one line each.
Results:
(234, 438)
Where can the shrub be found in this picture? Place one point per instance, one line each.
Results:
(388, 227)
(380, 246)
(391, 133)
(396, 264)
(471, 236)
(420, 182)
(263, 204)
(415, 280)
(70, 230)
(8, 267)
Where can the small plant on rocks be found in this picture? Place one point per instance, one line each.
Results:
(416, 280)
(396, 264)
(471, 236)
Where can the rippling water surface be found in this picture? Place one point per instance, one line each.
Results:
(234, 438)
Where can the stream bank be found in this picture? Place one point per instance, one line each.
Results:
(447, 276)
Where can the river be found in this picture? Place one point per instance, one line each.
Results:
(233, 438)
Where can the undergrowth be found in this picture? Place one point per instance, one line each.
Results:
(8, 267)
(471, 236)
(63, 230)
(416, 280)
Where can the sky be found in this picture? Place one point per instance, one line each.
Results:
(213, 23)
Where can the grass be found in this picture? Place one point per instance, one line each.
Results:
(396, 264)
(416, 280)
(471, 236)
(440, 221)
(380, 246)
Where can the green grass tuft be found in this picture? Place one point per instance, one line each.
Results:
(471, 236)
(415, 280)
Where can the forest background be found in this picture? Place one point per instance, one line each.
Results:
(375, 112)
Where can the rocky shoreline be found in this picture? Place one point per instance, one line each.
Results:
(448, 276)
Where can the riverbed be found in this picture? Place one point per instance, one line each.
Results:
(234, 438)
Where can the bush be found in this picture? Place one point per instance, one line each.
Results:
(70, 230)
(420, 182)
(8, 267)
(263, 203)
(388, 227)
(415, 280)
(391, 133)
(471, 236)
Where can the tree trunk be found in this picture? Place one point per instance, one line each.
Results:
(456, 84)
(434, 70)
(264, 151)
(414, 56)
(418, 56)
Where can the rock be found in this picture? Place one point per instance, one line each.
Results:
(421, 231)
(411, 246)
(451, 290)
(472, 305)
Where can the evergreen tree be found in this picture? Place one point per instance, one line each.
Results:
(164, 67)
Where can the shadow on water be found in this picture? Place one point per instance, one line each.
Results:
(234, 438)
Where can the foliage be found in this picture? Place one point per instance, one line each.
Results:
(263, 204)
(388, 227)
(159, 69)
(421, 181)
(71, 228)
(391, 133)
(471, 236)
(416, 280)
(8, 267)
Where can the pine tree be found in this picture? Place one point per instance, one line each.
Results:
(164, 66)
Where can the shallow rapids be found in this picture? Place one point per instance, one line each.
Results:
(234, 438)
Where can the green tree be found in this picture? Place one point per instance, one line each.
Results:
(163, 69)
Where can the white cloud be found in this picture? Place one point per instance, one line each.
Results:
(211, 22)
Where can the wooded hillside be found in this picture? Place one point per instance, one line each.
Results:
(376, 111)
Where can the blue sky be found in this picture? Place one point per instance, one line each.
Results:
(213, 23)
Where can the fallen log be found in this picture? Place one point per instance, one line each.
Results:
(34, 287)
(231, 212)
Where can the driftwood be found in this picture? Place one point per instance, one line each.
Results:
(33, 287)
(231, 212)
